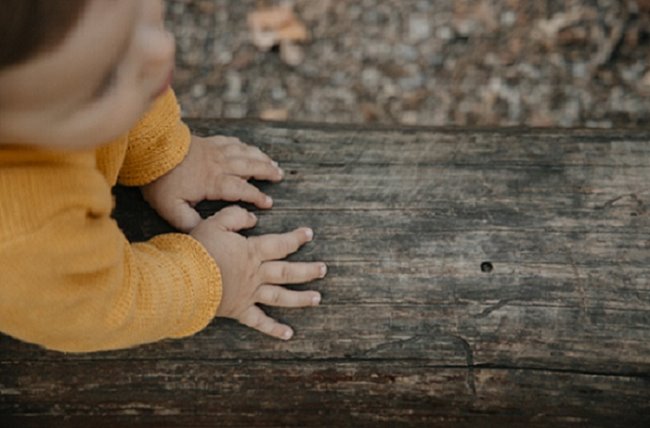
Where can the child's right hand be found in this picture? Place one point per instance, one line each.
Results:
(251, 272)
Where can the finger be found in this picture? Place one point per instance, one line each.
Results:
(246, 150)
(256, 319)
(253, 168)
(291, 273)
(276, 247)
(232, 189)
(234, 219)
(274, 295)
(181, 215)
(255, 153)
(224, 141)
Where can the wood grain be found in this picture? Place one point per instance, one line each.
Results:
(411, 332)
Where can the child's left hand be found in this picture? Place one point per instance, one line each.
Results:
(215, 168)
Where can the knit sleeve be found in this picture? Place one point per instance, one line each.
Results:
(77, 285)
(157, 144)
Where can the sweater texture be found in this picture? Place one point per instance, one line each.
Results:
(69, 279)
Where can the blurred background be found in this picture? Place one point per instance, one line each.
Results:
(566, 63)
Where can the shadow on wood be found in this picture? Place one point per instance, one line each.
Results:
(477, 277)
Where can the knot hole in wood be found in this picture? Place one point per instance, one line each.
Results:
(487, 267)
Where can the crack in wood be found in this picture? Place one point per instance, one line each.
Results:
(421, 362)
(469, 357)
(500, 304)
(640, 205)
(404, 343)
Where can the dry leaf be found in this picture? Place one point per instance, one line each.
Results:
(370, 112)
(275, 114)
(276, 25)
(547, 30)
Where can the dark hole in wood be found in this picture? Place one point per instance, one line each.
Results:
(633, 214)
(486, 267)
(293, 172)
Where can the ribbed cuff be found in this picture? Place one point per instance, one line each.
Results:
(202, 276)
(158, 143)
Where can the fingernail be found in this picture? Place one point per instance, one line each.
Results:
(316, 300)
(310, 234)
(281, 172)
(274, 163)
(269, 201)
(287, 335)
(252, 216)
(323, 271)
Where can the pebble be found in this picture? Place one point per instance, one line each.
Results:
(377, 52)
(198, 90)
(419, 28)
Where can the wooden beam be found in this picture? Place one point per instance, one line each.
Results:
(490, 277)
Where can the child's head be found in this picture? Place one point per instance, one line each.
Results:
(79, 73)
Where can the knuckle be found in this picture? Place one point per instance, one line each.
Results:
(253, 320)
(270, 296)
(276, 297)
(237, 212)
(253, 253)
(220, 157)
(259, 323)
(219, 185)
(243, 187)
(229, 150)
(285, 273)
(246, 319)
(240, 210)
(232, 210)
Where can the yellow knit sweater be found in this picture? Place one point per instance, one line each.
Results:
(69, 279)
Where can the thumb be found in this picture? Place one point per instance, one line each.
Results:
(182, 216)
(234, 219)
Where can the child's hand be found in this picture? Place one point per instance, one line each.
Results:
(252, 273)
(214, 168)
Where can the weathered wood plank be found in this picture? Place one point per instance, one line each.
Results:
(411, 330)
(324, 393)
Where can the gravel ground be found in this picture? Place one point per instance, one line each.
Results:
(565, 63)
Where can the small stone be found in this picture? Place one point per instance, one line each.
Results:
(508, 18)
(419, 28)
(233, 86)
(445, 33)
(579, 70)
(278, 93)
(198, 90)
(370, 77)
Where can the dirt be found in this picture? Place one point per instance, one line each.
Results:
(566, 63)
